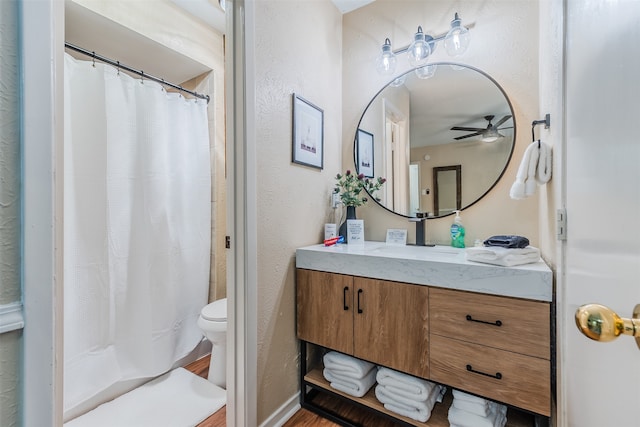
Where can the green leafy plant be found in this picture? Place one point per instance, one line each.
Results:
(354, 189)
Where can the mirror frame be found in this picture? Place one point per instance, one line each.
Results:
(451, 64)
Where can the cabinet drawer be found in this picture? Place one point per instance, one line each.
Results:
(523, 381)
(510, 324)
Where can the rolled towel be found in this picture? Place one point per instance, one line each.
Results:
(357, 387)
(416, 410)
(507, 257)
(404, 384)
(496, 418)
(346, 366)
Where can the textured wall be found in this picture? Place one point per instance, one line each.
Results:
(10, 343)
(504, 44)
(301, 55)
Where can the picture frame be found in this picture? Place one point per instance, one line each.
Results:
(308, 133)
(365, 160)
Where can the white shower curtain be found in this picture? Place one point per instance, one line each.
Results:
(137, 218)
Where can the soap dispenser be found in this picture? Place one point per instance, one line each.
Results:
(457, 232)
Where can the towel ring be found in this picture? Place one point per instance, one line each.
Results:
(546, 122)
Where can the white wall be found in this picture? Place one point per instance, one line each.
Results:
(504, 44)
(298, 49)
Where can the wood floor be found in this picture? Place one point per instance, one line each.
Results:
(304, 418)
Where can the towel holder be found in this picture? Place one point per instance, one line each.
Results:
(546, 121)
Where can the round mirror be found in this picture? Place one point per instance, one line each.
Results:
(442, 136)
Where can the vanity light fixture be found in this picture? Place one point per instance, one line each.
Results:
(456, 42)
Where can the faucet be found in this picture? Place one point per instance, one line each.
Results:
(421, 228)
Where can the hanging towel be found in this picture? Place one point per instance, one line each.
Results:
(535, 168)
(496, 418)
(419, 411)
(404, 384)
(543, 171)
(346, 366)
(357, 387)
(506, 257)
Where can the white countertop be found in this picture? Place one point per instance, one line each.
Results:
(439, 266)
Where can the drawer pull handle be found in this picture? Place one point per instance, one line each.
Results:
(344, 298)
(496, 323)
(497, 376)
(359, 292)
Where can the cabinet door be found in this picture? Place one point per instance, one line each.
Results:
(325, 309)
(391, 325)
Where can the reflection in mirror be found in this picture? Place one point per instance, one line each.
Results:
(410, 123)
(447, 189)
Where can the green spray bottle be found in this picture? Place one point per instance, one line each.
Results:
(457, 232)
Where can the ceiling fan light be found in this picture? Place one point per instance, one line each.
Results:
(386, 61)
(456, 41)
(419, 49)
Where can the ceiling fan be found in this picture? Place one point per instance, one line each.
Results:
(489, 134)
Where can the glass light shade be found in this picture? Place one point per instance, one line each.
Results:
(491, 135)
(456, 41)
(386, 61)
(419, 50)
(398, 82)
(426, 72)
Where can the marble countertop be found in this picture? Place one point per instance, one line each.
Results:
(439, 266)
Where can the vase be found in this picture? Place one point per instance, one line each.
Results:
(351, 214)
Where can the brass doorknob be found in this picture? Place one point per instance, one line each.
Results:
(600, 323)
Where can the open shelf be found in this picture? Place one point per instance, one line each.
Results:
(438, 414)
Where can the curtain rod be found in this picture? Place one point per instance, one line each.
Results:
(140, 73)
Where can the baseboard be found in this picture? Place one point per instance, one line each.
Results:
(283, 413)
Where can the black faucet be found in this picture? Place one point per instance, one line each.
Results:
(421, 228)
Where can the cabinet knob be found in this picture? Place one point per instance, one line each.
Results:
(600, 323)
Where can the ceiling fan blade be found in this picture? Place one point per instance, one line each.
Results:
(466, 129)
(502, 120)
(467, 136)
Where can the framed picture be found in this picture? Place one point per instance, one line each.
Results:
(308, 133)
(365, 153)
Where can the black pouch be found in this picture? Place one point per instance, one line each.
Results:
(507, 241)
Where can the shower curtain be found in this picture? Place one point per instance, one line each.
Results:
(137, 220)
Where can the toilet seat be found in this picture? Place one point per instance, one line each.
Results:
(215, 311)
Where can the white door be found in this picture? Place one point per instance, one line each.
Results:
(600, 382)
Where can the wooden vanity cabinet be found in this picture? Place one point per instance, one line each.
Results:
(376, 320)
(495, 346)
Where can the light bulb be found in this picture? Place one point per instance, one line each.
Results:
(419, 50)
(426, 72)
(386, 61)
(398, 82)
(456, 41)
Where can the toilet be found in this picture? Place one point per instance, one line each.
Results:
(213, 323)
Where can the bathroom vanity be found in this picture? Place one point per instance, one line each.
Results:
(428, 312)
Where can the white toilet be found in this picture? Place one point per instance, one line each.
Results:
(213, 323)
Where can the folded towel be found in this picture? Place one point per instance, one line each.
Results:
(496, 418)
(404, 384)
(461, 395)
(357, 387)
(419, 411)
(481, 409)
(506, 257)
(509, 241)
(346, 366)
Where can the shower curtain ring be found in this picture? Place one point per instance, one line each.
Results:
(93, 55)
(141, 77)
(118, 67)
